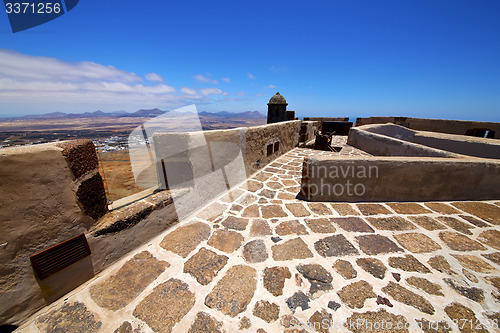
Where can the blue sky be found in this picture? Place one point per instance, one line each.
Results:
(436, 59)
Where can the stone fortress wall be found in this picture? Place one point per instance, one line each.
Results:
(50, 193)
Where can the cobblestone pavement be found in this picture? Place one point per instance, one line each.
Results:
(259, 260)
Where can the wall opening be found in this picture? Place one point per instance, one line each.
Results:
(7, 328)
(269, 149)
(481, 133)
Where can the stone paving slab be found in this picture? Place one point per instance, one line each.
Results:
(118, 290)
(373, 266)
(166, 305)
(259, 260)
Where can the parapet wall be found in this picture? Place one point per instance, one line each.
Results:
(383, 179)
(434, 125)
(196, 151)
(395, 140)
(403, 170)
(212, 162)
(48, 193)
(256, 150)
(459, 144)
(394, 143)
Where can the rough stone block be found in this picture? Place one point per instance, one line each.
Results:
(291, 249)
(333, 246)
(81, 156)
(134, 276)
(234, 291)
(92, 196)
(166, 305)
(185, 239)
(205, 265)
(377, 244)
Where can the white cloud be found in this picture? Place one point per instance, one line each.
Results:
(188, 91)
(203, 78)
(226, 79)
(153, 77)
(240, 93)
(212, 91)
(271, 86)
(250, 76)
(24, 67)
(9, 84)
(34, 84)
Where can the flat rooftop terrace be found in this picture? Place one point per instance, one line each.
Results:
(259, 260)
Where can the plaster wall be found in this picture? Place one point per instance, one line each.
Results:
(366, 138)
(433, 125)
(458, 144)
(38, 208)
(392, 130)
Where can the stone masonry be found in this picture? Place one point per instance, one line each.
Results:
(274, 263)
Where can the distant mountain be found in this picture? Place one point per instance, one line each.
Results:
(139, 113)
(253, 114)
(95, 114)
(148, 113)
(51, 115)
